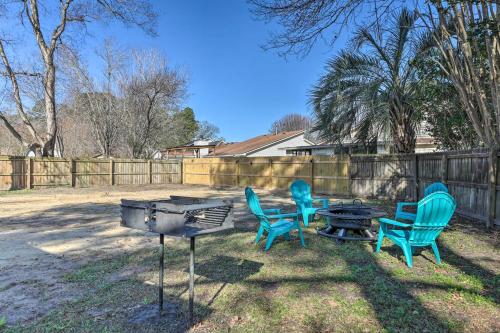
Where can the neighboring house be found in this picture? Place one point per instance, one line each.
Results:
(263, 145)
(424, 144)
(193, 149)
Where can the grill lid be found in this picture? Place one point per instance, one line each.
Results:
(178, 216)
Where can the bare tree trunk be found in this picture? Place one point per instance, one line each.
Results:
(474, 70)
(50, 110)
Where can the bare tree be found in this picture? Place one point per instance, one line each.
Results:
(291, 122)
(208, 131)
(74, 132)
(304, 22)
(467, 35)
(150, 91)
(97, 99)
(48, 39)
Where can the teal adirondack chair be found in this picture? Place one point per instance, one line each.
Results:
(301, 194)
(281, 227)
(402, 215)
(433, 214)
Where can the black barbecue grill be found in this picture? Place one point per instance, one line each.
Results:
(181, 218)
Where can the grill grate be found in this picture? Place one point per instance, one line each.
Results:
(178, 217)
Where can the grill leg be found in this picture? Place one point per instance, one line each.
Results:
(191, 279)
(160, 285)
(342, 233)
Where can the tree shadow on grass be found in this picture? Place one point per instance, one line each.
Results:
(225, 270)
(395, 307)
(489, 280)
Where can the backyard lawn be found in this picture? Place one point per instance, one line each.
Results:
(68, 266)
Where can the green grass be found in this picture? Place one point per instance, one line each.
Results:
(15, 192)
(323, 287)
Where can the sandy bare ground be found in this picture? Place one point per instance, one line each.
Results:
(45, 234)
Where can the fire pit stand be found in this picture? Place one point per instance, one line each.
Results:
(349, 221)
(180, 218)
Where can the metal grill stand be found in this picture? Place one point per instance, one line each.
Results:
(191, 276)
(181, 218)
(160, 285)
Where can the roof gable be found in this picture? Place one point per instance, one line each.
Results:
(253, 144)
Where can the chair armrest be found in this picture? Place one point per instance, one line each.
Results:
(272, 211)
(280, 216)
(402, 214)
(400, 205)
(325, 201)
(384, 220)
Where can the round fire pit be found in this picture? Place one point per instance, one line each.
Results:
(349, 221)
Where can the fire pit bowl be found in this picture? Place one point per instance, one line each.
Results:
(349, 221)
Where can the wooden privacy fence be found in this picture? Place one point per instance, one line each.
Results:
(21, 172)
(472, 177)
(326, 174)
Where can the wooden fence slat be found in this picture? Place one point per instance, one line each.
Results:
(492, 181)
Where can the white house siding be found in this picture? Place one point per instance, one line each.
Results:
(274, 150)
(421, 150)
(323, 151)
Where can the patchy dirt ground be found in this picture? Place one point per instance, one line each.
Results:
(66, 265)
(47, 233)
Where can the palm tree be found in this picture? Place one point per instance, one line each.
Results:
(371, 89)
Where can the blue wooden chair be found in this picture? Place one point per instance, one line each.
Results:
(433, 214)
(281, 227)
(402, 215)
(301, 194)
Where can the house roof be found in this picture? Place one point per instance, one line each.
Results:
(194, 145)
(253, 144)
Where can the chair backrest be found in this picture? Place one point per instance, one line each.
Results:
(433, 214)
(435, 187)
(254, 205)
(301, 193)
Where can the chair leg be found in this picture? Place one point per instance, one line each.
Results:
(259, 234)
(269, 242)
(408, 255)
(301, 236)
(305, 218)
(380, 239)
(436, 253)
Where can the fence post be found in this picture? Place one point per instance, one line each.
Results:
(238, 172)
(72, 172)
(312, 175)
(492, 191)
(417, 187)
(210, 177)
(111, 172)
(150, 176)
(444, 168)
(183, 181)
(29, 173)
(349, 175)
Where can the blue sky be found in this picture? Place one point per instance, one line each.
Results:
(233, 82)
